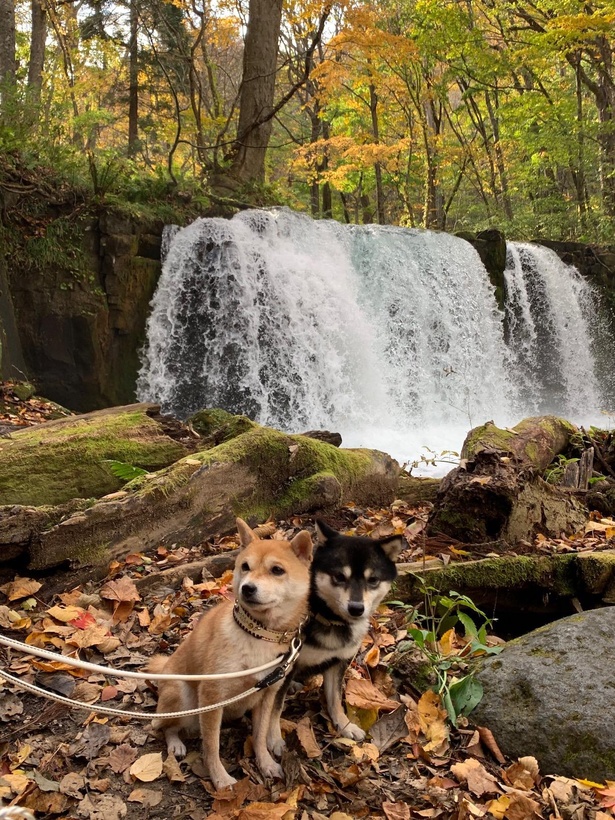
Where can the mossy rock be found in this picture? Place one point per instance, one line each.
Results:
(55, 462)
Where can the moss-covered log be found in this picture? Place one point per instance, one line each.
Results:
(497, 492)
(255, 474)
(68, 458)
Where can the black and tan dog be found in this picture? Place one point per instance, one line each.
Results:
(350, 575)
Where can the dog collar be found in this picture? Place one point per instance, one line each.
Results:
(326, 622)
(259, 630)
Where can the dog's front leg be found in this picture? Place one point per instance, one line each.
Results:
(262, 713)
(332, 680)
(210, 732)
(275, 741)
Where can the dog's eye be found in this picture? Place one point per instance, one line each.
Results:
(373, 583)
(245, 567)
(339, 578)
(278, 570)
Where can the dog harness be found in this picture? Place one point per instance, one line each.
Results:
(259, 630)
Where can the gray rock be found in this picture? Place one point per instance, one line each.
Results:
(551, 694)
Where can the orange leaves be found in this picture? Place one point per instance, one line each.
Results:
(123, 593)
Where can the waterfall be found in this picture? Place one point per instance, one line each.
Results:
(390, 336)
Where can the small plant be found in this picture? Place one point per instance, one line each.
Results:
(555, 471)
(431, 459)
(125, 472)
(434, 631)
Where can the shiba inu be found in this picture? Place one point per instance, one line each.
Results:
(350, 575)
(271, 584)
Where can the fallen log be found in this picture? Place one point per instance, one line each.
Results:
(497, 492)
(256, 473)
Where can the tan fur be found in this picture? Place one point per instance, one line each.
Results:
(217, 644)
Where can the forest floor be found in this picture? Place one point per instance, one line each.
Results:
(60, 762)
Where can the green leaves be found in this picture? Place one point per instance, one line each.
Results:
(123, 471)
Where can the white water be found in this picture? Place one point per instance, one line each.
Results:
(390, 336)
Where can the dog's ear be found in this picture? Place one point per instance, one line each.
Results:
(246, 536)
(302, 546)
(324, 532)
(392, 546)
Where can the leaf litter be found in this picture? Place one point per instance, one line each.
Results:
(74, 765)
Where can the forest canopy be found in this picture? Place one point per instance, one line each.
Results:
(447, 114)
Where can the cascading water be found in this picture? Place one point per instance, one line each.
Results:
(549, 309)
(390, 336)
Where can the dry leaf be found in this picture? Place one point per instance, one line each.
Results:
(522, 807)
(396, 811)
(20, 588)
(121, 757)
(65, 614)
(147, 797)
(147, 767)
(479, 780)
(364, 695)
(267, 811)
(307, 739)
(432, 718)
(172, 770)
(106, 807)
(523, 774)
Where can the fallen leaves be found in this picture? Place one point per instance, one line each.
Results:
(147, 767)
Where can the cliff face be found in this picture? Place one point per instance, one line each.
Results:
(81, 324)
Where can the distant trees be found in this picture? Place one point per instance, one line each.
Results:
(436, 113)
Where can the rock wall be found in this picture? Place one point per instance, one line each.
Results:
(81, 331)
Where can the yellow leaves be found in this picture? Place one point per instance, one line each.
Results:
(432, 721)
(20, 588)
(307, 739)
(147, 767)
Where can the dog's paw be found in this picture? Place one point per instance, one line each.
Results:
(270, 769)
(294, 687)
(222, 780)
(175, 747)
(276, 746)
(352, 731)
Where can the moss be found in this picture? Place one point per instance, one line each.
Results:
(555, 573)
(217, 426)
(595, 571)
(52, 464)
(495, 439)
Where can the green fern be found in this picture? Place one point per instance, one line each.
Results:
(123, 471)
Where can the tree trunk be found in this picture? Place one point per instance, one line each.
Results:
(133, 90)
(37, 51)
(8, 62)
(257, 91)
(497, 492)
(373, 108)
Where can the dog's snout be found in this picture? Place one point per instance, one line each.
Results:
(356, 608)
(248, 591)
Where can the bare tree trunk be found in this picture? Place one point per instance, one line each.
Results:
(133, 90)
(37, 51)
(8, 62)
(499, 156)
(257, 90)
(373, 108)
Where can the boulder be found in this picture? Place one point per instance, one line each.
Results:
(550, 694)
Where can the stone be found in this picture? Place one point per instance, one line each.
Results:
(551, 694)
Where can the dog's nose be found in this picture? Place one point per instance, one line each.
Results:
(356, 608)
(248, 591)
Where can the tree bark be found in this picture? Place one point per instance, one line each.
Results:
(257, 91)
(37, 51)
(133, 90)
(8, 62)
(497, 492)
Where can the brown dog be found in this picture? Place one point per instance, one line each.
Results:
(271, 585)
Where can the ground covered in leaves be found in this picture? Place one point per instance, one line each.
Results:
(61, 762)
(65, 763)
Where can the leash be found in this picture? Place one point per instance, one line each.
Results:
(105, 670)
(274, 676)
